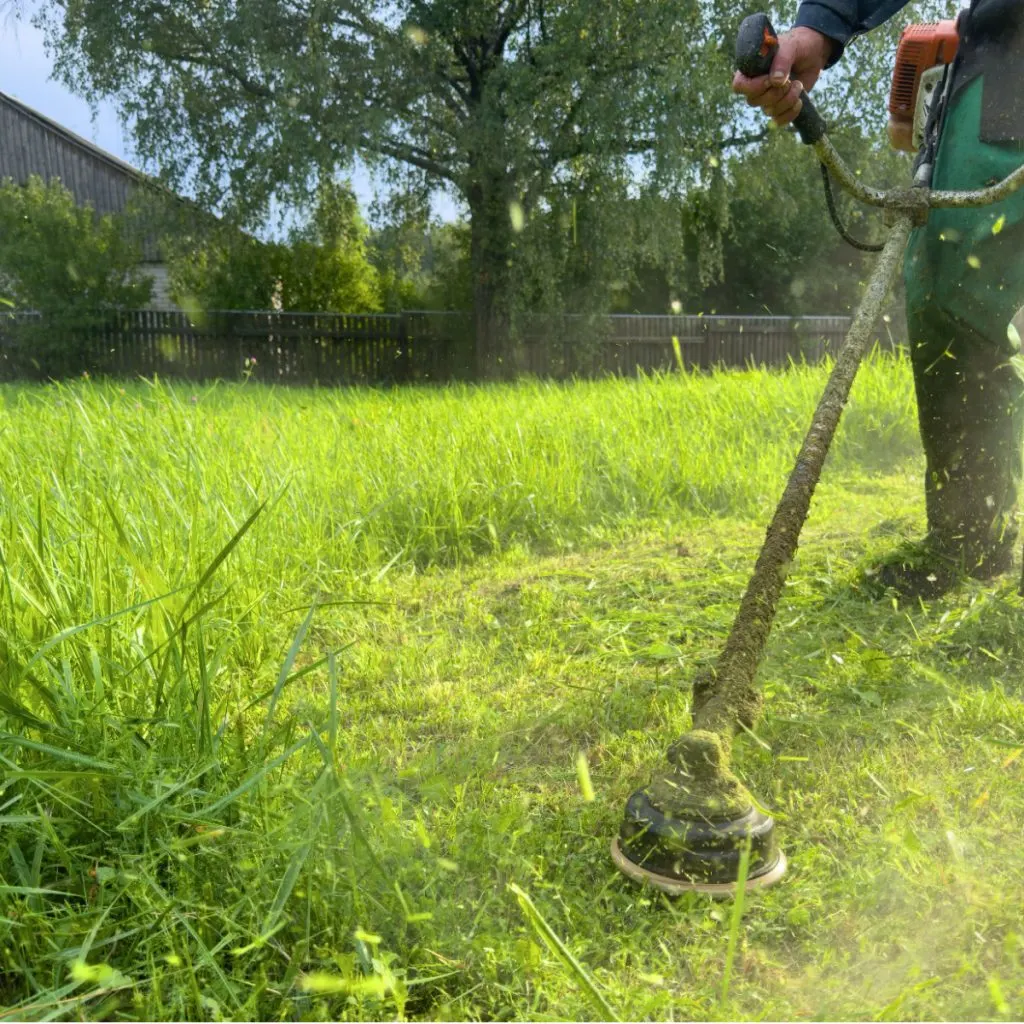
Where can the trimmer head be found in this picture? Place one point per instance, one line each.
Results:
(695, 854)
(687, 830)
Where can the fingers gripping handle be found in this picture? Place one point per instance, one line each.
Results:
(756, 46)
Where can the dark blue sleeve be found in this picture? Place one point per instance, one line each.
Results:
(841, 20)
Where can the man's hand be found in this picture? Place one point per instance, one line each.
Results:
(803, 53)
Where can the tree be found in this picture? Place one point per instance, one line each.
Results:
(780, 252)
(423, 265)
(67, 263)
(495, 100)
(582, 254)
(62, 259)
(327, 265)
(600, 246)
(221, 267)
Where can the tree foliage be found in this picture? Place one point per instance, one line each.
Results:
(64, 260)
(608, 247)
(221, 268)
(780, 252)
(604, 246)
(423, 265)
(327, 264)
(324, 266)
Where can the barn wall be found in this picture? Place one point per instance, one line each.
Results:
(32, 144)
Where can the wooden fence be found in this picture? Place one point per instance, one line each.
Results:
(627, 344)
(295, 348)
(329, 348)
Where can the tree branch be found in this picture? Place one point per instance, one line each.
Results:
(250, 85)
(743, 140)
(408, 155)
(427, 19)
(507, 25)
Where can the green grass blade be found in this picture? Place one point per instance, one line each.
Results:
(332, 712)
(57, 752)
(13, 709)
(223, 554)
(32, 890)
(357, 830)
(296, 676)
(295, 865)
(286, 668)
(151, 806)
(735, 922)
(166, 795)
(250, 782)
(72, 631)
(561, 952)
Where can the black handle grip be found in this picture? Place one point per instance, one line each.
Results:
(809, 123)
(756, 45)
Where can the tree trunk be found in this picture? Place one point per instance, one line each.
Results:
(490, 251)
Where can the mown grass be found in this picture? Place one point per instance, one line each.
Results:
(295, 684)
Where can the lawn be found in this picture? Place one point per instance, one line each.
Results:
(296, 684)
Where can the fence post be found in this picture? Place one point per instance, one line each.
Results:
(404, 352)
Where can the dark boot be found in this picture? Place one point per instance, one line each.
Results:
(930, 569)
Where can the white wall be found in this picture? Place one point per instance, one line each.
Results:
(158, 274)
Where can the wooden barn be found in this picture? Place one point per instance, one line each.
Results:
(31, 143)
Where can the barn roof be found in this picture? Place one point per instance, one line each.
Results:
(31, 143)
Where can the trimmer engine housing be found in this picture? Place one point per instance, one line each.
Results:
(923, 52)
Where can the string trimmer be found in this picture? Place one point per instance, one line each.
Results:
(688, 829)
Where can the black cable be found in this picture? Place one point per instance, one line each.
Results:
(830, 201)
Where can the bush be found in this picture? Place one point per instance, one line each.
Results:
(60, 258)
(66, 263)
(323, 267)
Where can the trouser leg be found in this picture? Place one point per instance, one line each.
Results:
(970, 398)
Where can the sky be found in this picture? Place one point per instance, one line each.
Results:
(25, 73)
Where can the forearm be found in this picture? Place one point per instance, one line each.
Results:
(841, 20)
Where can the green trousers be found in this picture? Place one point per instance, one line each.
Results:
(964, 274)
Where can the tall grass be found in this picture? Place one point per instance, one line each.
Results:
(362, 478)
(203, 816)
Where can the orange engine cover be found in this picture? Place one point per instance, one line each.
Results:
(921, 47)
